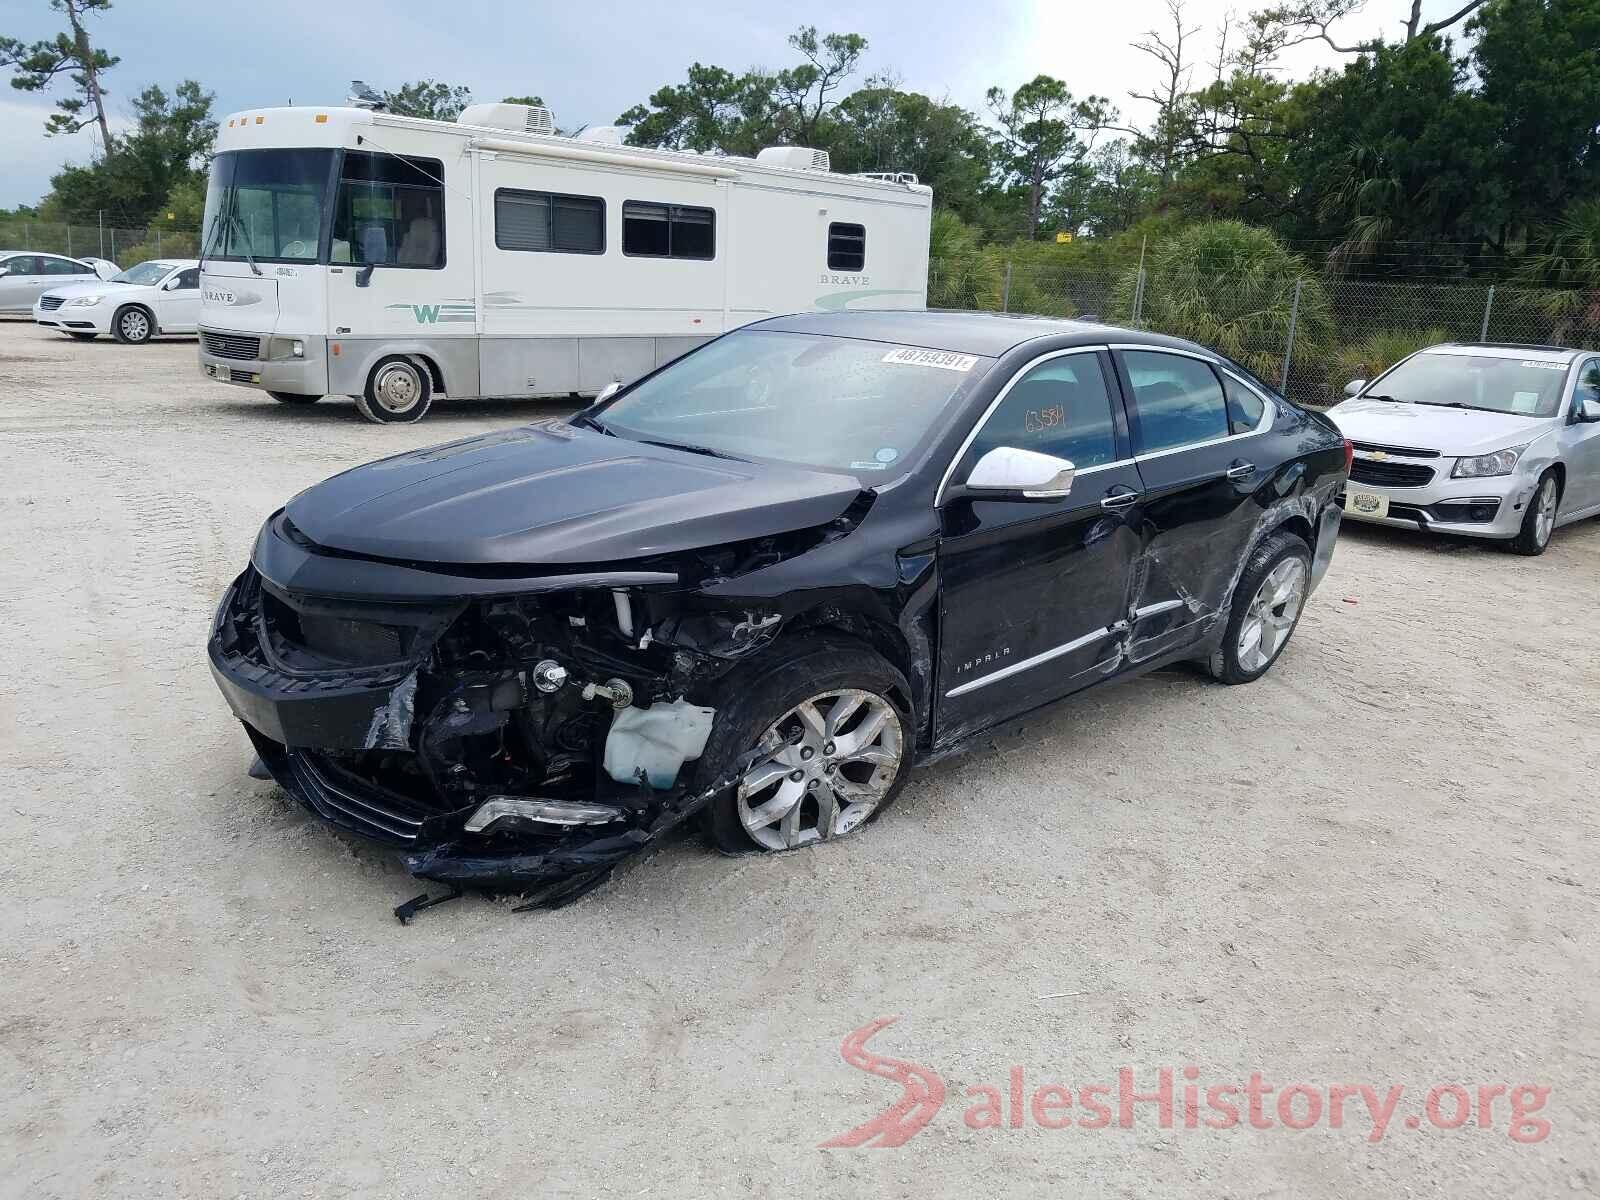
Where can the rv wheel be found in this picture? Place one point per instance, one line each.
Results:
(398, 393)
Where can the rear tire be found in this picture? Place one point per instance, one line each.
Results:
(133, 326)
(398, 392)
(853, 694)
(1539, 522)
(293, 398)
(1266, 609)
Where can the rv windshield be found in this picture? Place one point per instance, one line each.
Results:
(266, 204)
(838, 404)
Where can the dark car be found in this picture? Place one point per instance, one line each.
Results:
(760, 583)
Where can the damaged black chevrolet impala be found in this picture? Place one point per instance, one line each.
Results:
(756, 586)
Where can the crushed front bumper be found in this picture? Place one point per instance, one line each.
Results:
(1481, 507)
(353, 747)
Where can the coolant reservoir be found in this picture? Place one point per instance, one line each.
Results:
(658, 740)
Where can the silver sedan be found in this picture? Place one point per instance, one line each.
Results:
(1488, 441)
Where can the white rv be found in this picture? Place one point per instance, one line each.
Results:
(353, 252)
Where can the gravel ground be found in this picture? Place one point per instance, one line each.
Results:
(1375, 866)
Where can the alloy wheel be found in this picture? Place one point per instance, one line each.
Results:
(1545, 515)
(1272, 614)
(823, 768)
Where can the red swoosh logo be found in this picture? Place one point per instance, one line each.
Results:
(895, 1125)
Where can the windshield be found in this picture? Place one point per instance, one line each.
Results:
(1526, 387)
(145, 272)
(827, 402)
(266, 204)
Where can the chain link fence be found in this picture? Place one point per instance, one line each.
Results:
(122, 245)
(1307, 335)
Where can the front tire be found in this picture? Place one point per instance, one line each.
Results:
(398, 392)
(293, 398)
(819, 742)
(133, 326)
(1266, 608)
(1539, 522)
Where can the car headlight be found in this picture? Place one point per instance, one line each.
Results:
(83, 301)
(287, 348)
(1501, 462)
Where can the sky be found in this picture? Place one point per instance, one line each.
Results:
(591, 61)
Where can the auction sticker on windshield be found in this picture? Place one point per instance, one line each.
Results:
(1373, 506)
(944, 359)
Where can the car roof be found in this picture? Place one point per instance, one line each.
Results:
(1551, 354)
(984, 333)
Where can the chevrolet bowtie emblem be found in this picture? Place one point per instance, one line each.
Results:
(1379, 455)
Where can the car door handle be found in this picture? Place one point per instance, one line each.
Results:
(1241, 470)
(1119, 500)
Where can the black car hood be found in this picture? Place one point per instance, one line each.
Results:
(553, 493)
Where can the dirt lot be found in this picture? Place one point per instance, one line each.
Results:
(1377, 866)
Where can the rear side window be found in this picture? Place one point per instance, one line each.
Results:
(847, 247)
(1177, 401)
(21, 264)
(668, 230)
(549, 221)
(1245, 407)
(1060, 407)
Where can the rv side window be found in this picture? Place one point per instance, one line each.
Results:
(547, 221)
(668, 230)
(389, 211)
(847, 247)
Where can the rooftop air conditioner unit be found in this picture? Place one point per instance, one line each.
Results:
(521, 118)
(795, 158)
(604, 135)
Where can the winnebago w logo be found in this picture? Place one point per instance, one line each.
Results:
(446, 313)
(895, 1125)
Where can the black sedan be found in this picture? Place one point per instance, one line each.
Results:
(757, 585)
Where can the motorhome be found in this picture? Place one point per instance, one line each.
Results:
(349, 251)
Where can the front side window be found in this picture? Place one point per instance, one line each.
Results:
(266, 205)
(58, 266)
(1526, 387)
(188, 280)
(847, 247)
(832, 403)
(1060, 407)
(1588, 382)
(548, 221)
(1177, 401)
(668, 230)
(389, 212)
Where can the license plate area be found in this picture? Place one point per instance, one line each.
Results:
(1368, 506)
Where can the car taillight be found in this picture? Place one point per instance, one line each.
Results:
(1349, 455)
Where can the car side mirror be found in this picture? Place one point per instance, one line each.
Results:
(1013, 473)
(1354, 386)
(1589, 411)
(172, 284)
(364, 274)
(610, 390)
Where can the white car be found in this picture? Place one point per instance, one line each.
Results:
(160, 296)
(1487, 441)
(24, 275)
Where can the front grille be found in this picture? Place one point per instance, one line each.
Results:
(1397, 451)
(51, 303)
(1390, 474)
(231, 345)
(358, 804)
